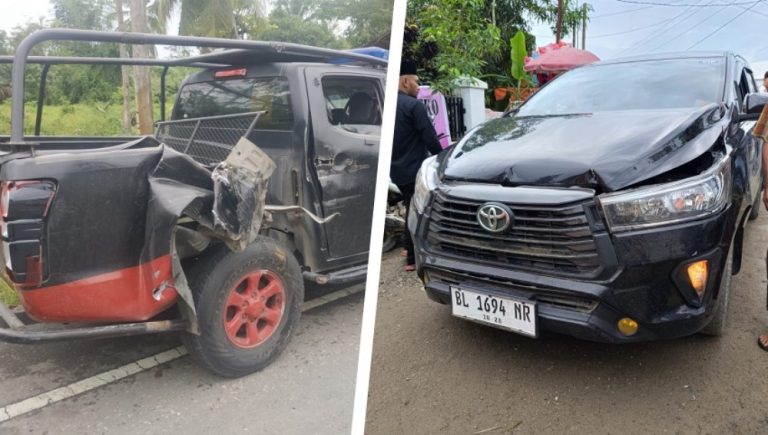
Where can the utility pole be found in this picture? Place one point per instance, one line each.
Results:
(573, 43)
(584, 30)
(574, 30)
(125, 71)
(559, 32)
(141, 73)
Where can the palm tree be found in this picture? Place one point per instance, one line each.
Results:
(217, 18)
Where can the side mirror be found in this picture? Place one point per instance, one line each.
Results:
(753, 106)
(754, 103)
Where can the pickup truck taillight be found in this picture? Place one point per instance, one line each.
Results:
(24, 206)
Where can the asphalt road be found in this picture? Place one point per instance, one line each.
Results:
(309, 389)
(434, 373)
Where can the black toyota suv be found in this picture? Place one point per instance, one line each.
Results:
(610, 206)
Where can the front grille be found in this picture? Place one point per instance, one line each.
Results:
(543, 238)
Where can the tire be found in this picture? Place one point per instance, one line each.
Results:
(248, 305)
(393, 233)
(755, 211)
(390, 241)
(716, 326)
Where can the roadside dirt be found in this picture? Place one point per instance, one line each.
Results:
(435, 373)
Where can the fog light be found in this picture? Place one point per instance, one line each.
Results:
(627, 326)
(697, 275)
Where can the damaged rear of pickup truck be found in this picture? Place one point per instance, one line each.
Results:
(212, 225)
(610, 206)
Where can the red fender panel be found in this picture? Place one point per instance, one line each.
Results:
(125, 295)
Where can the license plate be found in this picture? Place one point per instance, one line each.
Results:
(514, 315)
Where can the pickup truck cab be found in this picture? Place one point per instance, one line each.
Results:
(610, 206)
(181, 230)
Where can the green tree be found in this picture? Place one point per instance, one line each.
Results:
(369, 21)
(287, 27)
(463, 35)
(78, 83)
(458, 37)
(5, 43)
(216, 18)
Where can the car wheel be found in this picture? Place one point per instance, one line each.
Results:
(248, 304)
(716, 326)
(755, 212)
(393, 232)
(390, 241)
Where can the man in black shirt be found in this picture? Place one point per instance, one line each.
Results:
(415, 139)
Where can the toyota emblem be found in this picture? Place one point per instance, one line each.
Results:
(494, 217)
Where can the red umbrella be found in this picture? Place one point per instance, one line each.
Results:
(563, 59)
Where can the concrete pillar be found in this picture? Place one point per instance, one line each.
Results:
(472, 91)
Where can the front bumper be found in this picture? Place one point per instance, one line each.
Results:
(641, 278)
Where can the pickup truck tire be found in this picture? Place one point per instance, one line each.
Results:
(716, 326)
(248, 304)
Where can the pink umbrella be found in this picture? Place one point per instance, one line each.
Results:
(562, 59)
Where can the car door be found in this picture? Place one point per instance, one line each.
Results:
(345, 109)
(752, 145)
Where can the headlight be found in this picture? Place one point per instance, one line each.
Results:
(426, 182)
(669, 203)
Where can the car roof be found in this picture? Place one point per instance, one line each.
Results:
(666, 56)
(273, 54)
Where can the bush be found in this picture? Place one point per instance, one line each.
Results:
(7, 295)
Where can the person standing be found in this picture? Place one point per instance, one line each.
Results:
(761, 131)
(764, 88)
(414, 140)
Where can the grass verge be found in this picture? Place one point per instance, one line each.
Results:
(8, 296)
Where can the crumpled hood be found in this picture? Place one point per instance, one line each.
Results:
(606, 151)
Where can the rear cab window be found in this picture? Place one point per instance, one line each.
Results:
(240, 95)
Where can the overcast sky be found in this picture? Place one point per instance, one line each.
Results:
(616, 28)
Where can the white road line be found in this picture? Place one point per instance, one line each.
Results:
(50, 397)
(41, 400)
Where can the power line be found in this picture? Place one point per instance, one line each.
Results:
(680, 5)
(620, 12)
(661, 32)
(754, 12)
(631, 30)
(690, 28)
(724, 24)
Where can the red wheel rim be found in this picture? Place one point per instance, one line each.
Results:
(254, 308)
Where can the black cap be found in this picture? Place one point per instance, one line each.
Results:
(407, 67)
(766, 75)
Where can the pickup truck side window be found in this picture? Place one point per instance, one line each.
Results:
(225, 97)
(353, 104)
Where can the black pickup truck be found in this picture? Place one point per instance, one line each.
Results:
(262, 179)
(610, 206)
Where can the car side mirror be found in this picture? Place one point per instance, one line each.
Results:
(754, 103)
(753, 106)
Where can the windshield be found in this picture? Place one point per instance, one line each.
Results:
(647, 85)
